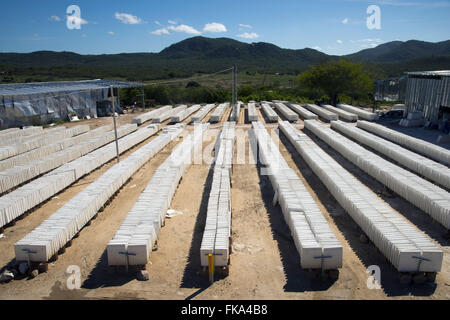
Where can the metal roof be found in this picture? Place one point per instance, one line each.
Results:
(441, 73)
(48, 87)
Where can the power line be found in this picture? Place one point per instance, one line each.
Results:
(46, 95)
(191, 78)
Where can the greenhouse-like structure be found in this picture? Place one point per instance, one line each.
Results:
(44, 102)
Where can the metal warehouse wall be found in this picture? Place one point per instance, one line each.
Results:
(427, 95)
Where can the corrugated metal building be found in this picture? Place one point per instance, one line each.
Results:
(44, 102)
(429, 92)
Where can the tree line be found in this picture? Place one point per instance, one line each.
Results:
(330, 82)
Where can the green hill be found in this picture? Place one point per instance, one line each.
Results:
(397, 51)
(205, 55)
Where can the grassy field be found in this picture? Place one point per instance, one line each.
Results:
(224, 80)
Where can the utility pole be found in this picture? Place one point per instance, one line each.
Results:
(143, 98)
(234, 86)
(114, 120)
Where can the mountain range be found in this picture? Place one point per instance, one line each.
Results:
(206, 55)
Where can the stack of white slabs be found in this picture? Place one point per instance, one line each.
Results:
(53, 234)
(140, 119)
(224, 148)
(316, 243)
(425, 148)
(19, 201)
(236, 111)
(177, 113)
(217, 115)
(305, 113)
(252, 112)
(271, 115)
(31, 133)
(184, 114)
(15, 176)
(27, 143)
(428, 168)
(341, 113)
(423, 194)
(201, 114)
(286, 112)
(405, 246)
(31, 137)
(6, 132)
(168, 114)
(216, 236)
(322, 112)
(14, 135)
(133, 241)
(50, 148)
(362, 114)
(162, 116)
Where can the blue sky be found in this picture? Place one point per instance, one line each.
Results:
(331, 26)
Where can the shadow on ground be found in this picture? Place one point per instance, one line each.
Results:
(297, 279)
(193, 276)
(104, 276)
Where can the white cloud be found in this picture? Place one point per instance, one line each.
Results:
(180, 28)
(376, 40)
(172, 22)
(317, 48)
(76, 20)
(247, 35)
(54, 18)
(369, 45)
(245, 26)
(208, 28)
(127, 18)
(339, 41)
(160, 32)
(345, 21)
(158, 23)
(111, 33)
(184, 28)
(214, 27)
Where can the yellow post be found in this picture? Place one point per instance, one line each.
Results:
(211, 267)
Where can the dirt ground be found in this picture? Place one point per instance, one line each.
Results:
(264, 261)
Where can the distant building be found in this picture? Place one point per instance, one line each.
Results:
(426, 91)
(45, 102)
(429, 92)
(390, 89)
